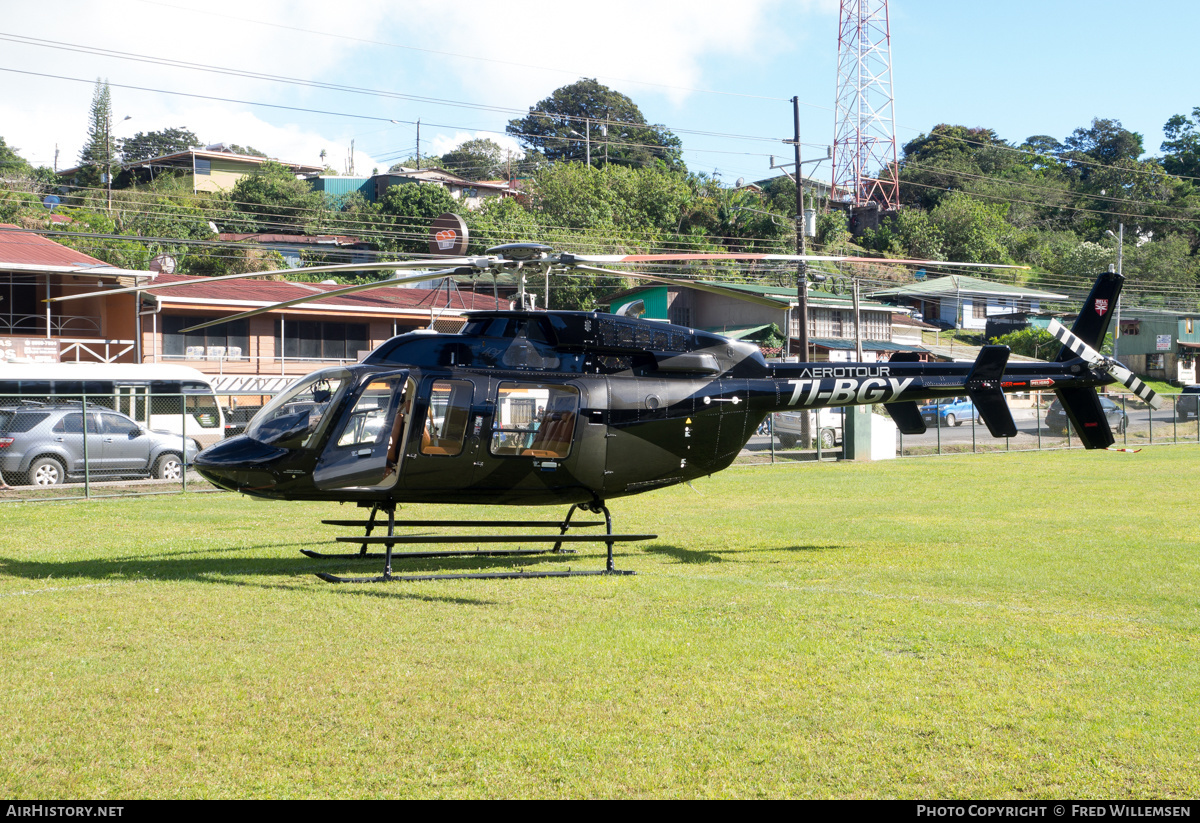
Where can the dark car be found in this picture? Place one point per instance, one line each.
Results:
(237, 419)
(1056, 418)
(44, 445)
(1186, 403)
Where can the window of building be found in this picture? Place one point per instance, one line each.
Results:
(979, 309)
(230, 341)
(311, 340)
(1156, 362)
(203, 166)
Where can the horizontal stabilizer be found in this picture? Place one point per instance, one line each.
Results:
(984, 387)
(1087, 417)
(907, 415)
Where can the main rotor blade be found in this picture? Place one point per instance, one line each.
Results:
(783, 258)
(691, 284)
(1123, 375)
(477, 262)
(393, 281)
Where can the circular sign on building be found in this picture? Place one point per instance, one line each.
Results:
(448, 235)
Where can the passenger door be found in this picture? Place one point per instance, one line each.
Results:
(365, 448)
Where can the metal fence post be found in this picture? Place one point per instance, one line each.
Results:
(87, 462)
(183, 445)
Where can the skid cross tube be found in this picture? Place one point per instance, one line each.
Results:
(392, 539)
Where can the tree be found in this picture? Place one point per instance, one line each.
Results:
(589, 113)
(145, 145)
(1106, 143)
(249, 151)
(99, 149)
(273, 200)
(478, 159)
(1181, 149)
(409, 209)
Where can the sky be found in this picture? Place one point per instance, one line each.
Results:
(721, 75)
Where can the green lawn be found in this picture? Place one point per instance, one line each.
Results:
(1019, 625)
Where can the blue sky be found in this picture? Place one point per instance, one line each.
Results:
(725, 69)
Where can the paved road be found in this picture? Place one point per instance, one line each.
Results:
(1144, 426)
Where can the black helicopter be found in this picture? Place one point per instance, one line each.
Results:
(576, 408)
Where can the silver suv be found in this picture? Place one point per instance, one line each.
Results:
(44, 445)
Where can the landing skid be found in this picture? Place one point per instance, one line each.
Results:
(392, 539)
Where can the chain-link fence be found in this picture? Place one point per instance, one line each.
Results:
(953, 426)
(139, 442)
(127, 442)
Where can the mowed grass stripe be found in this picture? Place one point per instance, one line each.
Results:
(1019, 625)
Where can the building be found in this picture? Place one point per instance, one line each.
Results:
(212, 169)
(1160, 345)
(831, 320)
(962, 302)
(34, 268)
(471, 193)
(258, 354)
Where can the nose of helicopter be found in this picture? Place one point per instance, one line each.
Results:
(238, 463)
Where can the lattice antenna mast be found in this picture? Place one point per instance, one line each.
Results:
(864, 149)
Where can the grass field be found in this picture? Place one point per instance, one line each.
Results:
(1020, 625)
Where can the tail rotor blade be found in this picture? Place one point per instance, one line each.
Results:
(1134, 384)
(1095, 358)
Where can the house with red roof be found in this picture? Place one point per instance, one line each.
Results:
(148, 326)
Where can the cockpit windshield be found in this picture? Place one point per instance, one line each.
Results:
(296, 418)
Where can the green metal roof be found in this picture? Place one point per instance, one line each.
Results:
(739, 333)
(954, 284)
(868, 345)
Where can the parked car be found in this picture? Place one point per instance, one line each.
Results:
(237, 419)
(1186, 403)
(1056, 418)
(828, 423)
(44, 445)
(951, 411)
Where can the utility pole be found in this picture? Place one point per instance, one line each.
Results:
(802, 268)
(1120, 238)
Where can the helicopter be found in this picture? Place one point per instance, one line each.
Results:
(529, 407)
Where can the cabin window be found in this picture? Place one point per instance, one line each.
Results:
(367, 423)
(534, 420)
(446, 417)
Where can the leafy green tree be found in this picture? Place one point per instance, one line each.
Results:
(1030, 342)
(1182, 147)
(478, 159)
(272, 199)
(408, 210)
(146, 145)
(249, 151)
(973, 231)
(1105, 142)
(11, 163)
(559, 127)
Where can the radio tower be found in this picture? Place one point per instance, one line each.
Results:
(865, 128)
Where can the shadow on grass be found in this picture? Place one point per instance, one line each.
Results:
(696, 556)
(220, 567)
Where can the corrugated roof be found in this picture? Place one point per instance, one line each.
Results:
(868, 345)
(17, 246)
(265, 292)
(962, 284)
